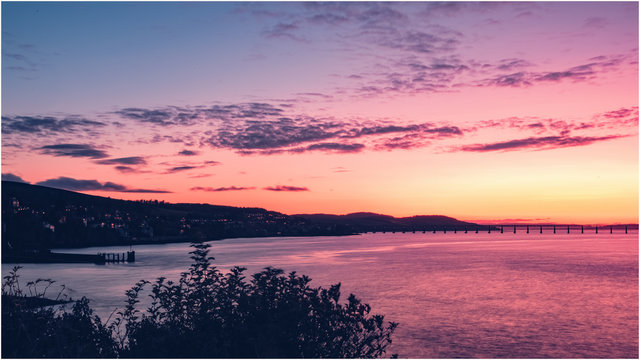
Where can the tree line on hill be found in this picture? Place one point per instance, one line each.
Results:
(38, 217)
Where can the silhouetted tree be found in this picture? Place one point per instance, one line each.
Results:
(204, 314)
(31, 330)
(210, 314)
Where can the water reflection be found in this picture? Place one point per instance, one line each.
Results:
(454, 295)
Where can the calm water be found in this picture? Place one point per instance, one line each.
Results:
(454, 295)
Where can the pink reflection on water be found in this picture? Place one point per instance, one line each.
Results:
(454, 295)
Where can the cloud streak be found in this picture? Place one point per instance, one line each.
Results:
(131, 160)
(13, 177)
(581, 72)
(538, 143)
(73, 150)
(285, 188)
(266, 129)
(188, 153)
(219, 189)
(190, 166)
(46, 125)
(72, 184)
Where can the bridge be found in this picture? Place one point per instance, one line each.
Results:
(515, 228)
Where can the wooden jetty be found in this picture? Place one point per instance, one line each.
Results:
(48, 257)
(118, 257)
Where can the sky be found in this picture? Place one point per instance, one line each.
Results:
(505, 112)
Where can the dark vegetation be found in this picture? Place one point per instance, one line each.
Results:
(204, 314)
(39, 217)
(365, 222)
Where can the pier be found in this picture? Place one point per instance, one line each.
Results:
(524, 228)
(129, 257)
(46, 256)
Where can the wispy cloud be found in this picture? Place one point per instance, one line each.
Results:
(72, 184)
(229, 188)
(284, 30)
(180, 168)
(127, 169)
(342, 148)
(340, 169)
(285, 188)
(131, 160)
(190, 166)
(620, 120)
(580, 72)
(13, 177)
(46, 124)
(73, 150)
(158, 117)
(537, 143)
(188, 153)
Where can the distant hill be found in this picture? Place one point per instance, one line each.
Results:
(42, 217)
(365, 221)
(39, 217)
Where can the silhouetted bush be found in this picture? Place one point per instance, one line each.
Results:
(204, 314)
(210, 314)
(31, 329)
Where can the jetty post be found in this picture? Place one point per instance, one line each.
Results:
(527, 229)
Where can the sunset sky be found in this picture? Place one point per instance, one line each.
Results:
(479, 111)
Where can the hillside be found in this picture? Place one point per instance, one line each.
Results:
(364, 221)
(42, 217)
(38, 217)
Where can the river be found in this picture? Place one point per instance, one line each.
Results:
(454, 295)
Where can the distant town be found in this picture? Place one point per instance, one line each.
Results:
(40, 217)
(37, 217)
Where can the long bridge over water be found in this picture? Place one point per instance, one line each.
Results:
(515, 228)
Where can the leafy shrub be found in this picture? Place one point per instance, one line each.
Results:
(32, 329)
(204, 314)
(210, 314)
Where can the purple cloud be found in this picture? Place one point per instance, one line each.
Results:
(285, 188)
(342, 148)
(73, 150)
(46, 124)
(229, 188)
(132, 160)
(12, 177)
(543, 143)
(188, 153)
(72, 184)
(180, 168)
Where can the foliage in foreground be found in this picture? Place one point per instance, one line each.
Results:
(30, 330)
(210, 314)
